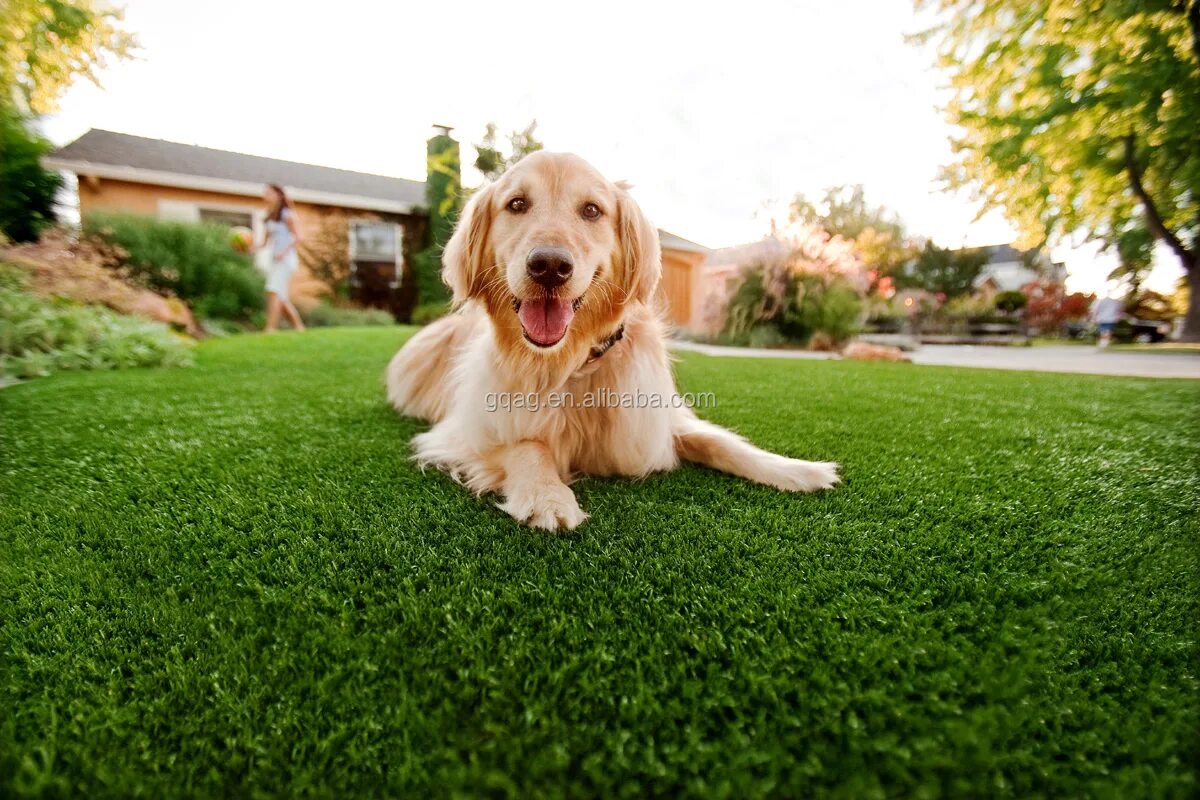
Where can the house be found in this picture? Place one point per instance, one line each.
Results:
(682, 287)
(1008, 269)
(117, 172)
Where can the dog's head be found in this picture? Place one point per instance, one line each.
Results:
(553, 249)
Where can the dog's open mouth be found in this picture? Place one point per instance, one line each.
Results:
(545, 319)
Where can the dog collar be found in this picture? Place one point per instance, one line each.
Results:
(606, 345)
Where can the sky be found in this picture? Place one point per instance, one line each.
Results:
(718, 117)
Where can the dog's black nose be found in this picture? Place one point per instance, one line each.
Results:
(550, 266)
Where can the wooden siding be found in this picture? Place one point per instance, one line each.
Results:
(680, 286)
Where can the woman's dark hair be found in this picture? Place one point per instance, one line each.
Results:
(276, 212)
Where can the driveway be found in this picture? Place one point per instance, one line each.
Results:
(1064, 358)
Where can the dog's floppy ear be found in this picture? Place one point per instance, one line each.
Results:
(467, 257)
(639, 264)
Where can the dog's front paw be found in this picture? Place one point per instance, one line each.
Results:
(805, 476)
(551, 508)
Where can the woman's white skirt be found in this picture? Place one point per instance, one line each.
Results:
(279, 275)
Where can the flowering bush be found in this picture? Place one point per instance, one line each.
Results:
(1045, 309)
(1076, 306)
(815, 287)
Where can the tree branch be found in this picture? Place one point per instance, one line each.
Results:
(1153, 219)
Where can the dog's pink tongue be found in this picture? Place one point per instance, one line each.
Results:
(545, 319)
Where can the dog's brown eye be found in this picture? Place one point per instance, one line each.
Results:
(518, 205)
(591, 211)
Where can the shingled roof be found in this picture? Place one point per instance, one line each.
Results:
(669, 241)
(120, 155)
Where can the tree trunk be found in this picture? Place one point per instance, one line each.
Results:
(1191, 322)
(1194, 19)
(1189, 258)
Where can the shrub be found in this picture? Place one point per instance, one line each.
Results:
(1076, 305)
(324, 315)
(428, 312)
(192, 261)
(765, 336)
(760, 298)
(1010, 302)
(821, 306)
(40, 336)
(223, 327)
(967, 305)
(993, 319)
(1045, 307)
(796, 305)
(27, 199)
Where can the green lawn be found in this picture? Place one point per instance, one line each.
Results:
(229, 581)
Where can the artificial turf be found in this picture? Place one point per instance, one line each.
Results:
(229, 580)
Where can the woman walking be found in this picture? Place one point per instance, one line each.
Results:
(283, 235)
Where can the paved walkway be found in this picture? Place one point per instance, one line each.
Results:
(1065, 358)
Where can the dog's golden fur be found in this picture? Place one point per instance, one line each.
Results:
(445, 373)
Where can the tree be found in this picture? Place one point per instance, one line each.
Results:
(1180, 297)
(1079, 116)
(27, 198)
(1151, 305)
(877, 233)
(492, 163)
(844, 211)
(443, 197)
(1134, 245)
(45, 45)
(942, 271)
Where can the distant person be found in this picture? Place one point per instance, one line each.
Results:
(282, 238)
(1106, 313)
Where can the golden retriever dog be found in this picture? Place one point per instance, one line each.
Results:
(555, 363)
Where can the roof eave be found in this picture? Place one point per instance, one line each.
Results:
(244, 188)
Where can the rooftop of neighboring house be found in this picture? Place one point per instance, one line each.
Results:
(1003, 253)
(1006, 276)
(1008, 269)
(121, 156)
(670, 241)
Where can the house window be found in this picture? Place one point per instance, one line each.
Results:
(374, 241)
(376, 255)
(233, 219)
